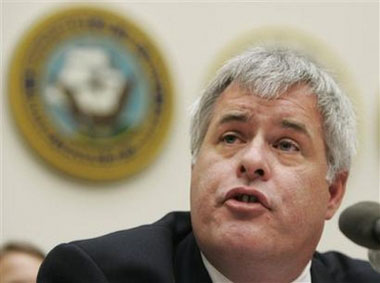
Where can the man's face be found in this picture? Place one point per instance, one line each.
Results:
(259, 186)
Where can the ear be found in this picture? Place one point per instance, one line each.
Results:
(336, 191)
(193, 160)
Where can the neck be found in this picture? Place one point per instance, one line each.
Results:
(242, 269)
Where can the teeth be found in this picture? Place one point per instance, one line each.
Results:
(252, 199)
(246, 198)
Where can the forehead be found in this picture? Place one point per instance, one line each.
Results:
(298, 102)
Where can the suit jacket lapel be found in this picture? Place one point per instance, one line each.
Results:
(188, 264)
(319, 271)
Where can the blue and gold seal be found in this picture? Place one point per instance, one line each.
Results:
(91, 93)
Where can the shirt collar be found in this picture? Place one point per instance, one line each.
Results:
(216, 276)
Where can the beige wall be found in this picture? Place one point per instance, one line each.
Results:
(46, 208)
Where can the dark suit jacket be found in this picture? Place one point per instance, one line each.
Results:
(166, 251)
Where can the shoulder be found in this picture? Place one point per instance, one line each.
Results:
(142, 252)
(342, 268)
(171, 228)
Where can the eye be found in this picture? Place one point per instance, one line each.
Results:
(230, 138)
(286, 145)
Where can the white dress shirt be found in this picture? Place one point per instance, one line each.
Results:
(217, 277)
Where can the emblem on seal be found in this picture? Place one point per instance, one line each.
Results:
(91, 93)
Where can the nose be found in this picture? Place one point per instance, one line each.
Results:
(254, 162)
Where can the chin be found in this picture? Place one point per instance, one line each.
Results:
(236, 239)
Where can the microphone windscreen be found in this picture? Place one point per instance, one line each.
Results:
(358, 223)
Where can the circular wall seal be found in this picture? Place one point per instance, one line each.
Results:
(91, 93)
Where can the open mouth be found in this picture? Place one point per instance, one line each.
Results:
(246, 198)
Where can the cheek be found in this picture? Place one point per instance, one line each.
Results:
(304, 198)
(209, 170)
(210, 177)
(204, 181)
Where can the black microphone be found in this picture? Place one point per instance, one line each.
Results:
(361, 224)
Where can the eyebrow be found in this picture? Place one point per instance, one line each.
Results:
(298, 127)
(230, 117)
(285, 123)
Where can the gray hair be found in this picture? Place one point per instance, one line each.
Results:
(268, 73)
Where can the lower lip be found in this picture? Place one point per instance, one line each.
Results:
(251, 209)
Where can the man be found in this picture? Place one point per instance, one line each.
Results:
(19, 263)
(272, 142)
